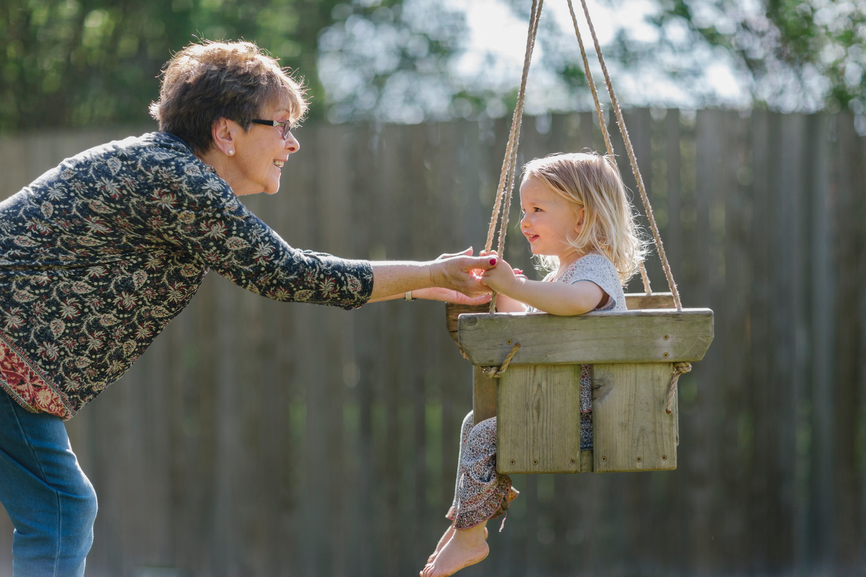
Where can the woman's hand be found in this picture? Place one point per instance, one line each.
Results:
(462, 272)
(449, 296)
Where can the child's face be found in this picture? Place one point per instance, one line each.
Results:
(548, 221)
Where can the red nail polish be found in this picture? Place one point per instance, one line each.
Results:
(492, 262)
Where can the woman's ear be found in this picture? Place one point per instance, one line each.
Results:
(224, 137)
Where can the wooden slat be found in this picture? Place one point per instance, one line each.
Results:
(633, 301)
(637, 301)
(484, 398)
(631, 430)
(538, 420)
(625, 337)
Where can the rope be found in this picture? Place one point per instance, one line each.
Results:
(509, 165)
(679, 369)
(497, 372)
(644, 197)
(601, 122)
(645, 278)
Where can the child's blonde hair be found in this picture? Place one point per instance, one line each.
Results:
(592, 181)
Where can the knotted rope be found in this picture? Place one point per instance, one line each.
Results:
(679, 369)
(497, 372)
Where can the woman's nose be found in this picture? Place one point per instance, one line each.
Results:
(292, 143)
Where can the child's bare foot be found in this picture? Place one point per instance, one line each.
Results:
(449, 532)
(466, 547)
(444, 540)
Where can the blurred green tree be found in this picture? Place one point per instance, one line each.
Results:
(69, 63)
(797, 54)
(72, 63)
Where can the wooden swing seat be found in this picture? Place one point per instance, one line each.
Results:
(537, 399)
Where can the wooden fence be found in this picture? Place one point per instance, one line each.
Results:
(264, 439)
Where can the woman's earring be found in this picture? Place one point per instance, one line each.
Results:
(231, 152)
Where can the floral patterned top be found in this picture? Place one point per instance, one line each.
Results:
(100, 253)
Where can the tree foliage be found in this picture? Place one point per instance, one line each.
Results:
(67, 63)
(798, 54)
(389, 60)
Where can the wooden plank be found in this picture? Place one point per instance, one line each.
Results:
(622, 337)
(633, 301)
(631, 430)
(484, 395)
(538, 428)
(638, 301)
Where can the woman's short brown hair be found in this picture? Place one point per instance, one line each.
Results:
(211, 80)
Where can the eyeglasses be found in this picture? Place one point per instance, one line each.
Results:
(286, 126)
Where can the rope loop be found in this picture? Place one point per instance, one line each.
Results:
(497, 372)
(679, 369)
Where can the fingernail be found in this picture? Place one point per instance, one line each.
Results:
(492, 262)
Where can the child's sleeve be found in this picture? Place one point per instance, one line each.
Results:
(598, 269)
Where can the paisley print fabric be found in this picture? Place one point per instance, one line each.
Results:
(26, 386)
(481, 493)
(100, 253)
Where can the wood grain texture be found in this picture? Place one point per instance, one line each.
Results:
(631, 430)
(538, 424)
(633, 301)
(624, 337)
(323, 433)
(484, 395)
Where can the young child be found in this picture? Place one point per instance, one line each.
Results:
(580, 225)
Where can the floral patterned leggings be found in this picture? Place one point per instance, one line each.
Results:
(480, 492)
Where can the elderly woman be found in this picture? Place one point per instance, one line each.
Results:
(100, 253)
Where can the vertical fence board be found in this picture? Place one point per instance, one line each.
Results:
(852, 212)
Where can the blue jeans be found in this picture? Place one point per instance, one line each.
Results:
(48, 497)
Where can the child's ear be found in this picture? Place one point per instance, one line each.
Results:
(579, 215)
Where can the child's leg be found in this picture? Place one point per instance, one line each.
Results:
(482, 494)
(466, 547)
(468, 423)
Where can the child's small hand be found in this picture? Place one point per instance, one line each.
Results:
(500, 278)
